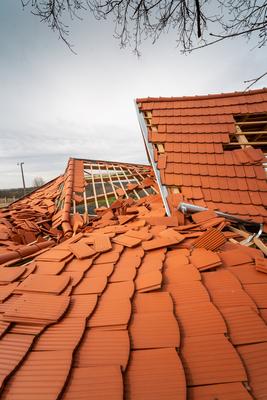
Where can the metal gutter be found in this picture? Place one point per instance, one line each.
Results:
(149, 148)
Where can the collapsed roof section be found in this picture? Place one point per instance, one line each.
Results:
(70, 201)
(210, 149)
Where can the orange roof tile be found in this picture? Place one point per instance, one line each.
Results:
(43, 369)
(192, 132)
(223, 391)
(109, 347)
(152, 302)
(254, 358)
(13, 347)
(63, 336)
(197, 319)
(211, 359)
(97, 382)
(155, 374)
(154, 330)
(244, 324)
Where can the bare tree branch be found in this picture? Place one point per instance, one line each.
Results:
(136, 20)
(254, 80)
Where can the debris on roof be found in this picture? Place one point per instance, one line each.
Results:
(64, 205)
(134, 302)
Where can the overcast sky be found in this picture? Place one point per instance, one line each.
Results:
(55, 105)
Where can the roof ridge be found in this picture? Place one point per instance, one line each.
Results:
(197, 97)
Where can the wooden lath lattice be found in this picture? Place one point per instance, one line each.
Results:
(251, 130)
(107, 181)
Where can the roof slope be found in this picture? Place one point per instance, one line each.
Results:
(130, 309)
(190, 138)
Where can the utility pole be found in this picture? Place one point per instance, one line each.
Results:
(22, 175)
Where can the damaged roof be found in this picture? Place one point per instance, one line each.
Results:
(132, 303)
(60, 207)
(132, 307)
(211, 149)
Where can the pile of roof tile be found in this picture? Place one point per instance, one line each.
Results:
(136, 310)
(27, 225)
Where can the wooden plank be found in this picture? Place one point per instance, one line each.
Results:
(175, 189)
(160, 148)
(248, 144)
(251, 133)
(85, 203)
(104, 189)
(93, 184)
(241, 138)
(251, 123)
(123, 188)
(74, 206)
(128, 180)
(246, 235)
(112, 185)
(260, 245)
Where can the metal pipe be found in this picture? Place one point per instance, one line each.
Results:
(191, 208)
(149, 148)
